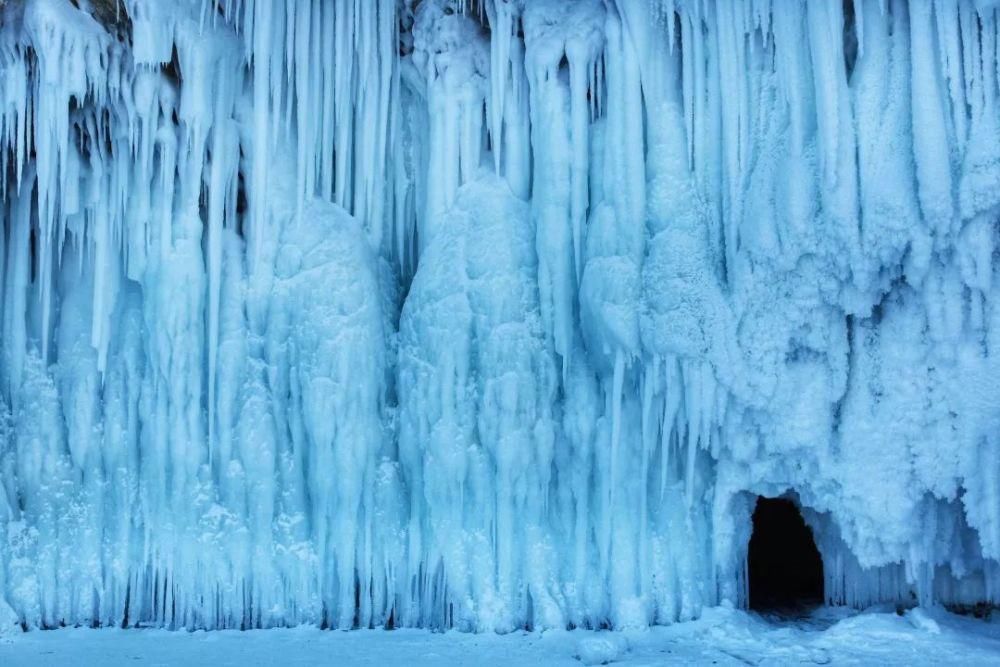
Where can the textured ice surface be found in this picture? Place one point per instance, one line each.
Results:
(492, 315)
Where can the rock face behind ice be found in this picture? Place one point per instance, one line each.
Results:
(492, 315)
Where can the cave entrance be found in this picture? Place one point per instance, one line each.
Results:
(785, 569)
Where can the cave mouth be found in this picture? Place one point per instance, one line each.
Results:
(785, 571)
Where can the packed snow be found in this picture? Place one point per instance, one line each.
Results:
(495, 315)
(722, 636)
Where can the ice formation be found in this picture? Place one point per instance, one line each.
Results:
(492, 314)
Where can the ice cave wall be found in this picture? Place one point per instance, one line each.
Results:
(492, 314)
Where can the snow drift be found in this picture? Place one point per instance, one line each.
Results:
(492, 314)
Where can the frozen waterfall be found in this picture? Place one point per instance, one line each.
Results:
(492, 314)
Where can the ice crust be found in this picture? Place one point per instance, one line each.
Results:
(493, 315)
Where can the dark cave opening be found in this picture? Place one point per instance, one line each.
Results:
(785, 571)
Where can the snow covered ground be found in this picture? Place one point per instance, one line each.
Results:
(721, 637)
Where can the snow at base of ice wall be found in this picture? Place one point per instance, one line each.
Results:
(492, 314)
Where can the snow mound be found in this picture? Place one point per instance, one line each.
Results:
(601, 649)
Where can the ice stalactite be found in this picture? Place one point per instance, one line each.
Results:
(492, 314)
(477, 428)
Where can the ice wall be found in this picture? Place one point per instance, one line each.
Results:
(492, 314)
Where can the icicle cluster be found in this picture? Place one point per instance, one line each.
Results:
(492, 314)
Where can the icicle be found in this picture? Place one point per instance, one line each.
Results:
(929, 132)
(859, 26)
(261, 141)
(617, 383)
(693, 414)
(671, 402)
(501, 19)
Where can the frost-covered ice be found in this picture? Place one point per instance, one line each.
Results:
(721, 637)
(492, 315)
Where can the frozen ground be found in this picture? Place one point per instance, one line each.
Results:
(721, 637)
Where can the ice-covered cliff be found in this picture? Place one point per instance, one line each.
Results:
(494, 313)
